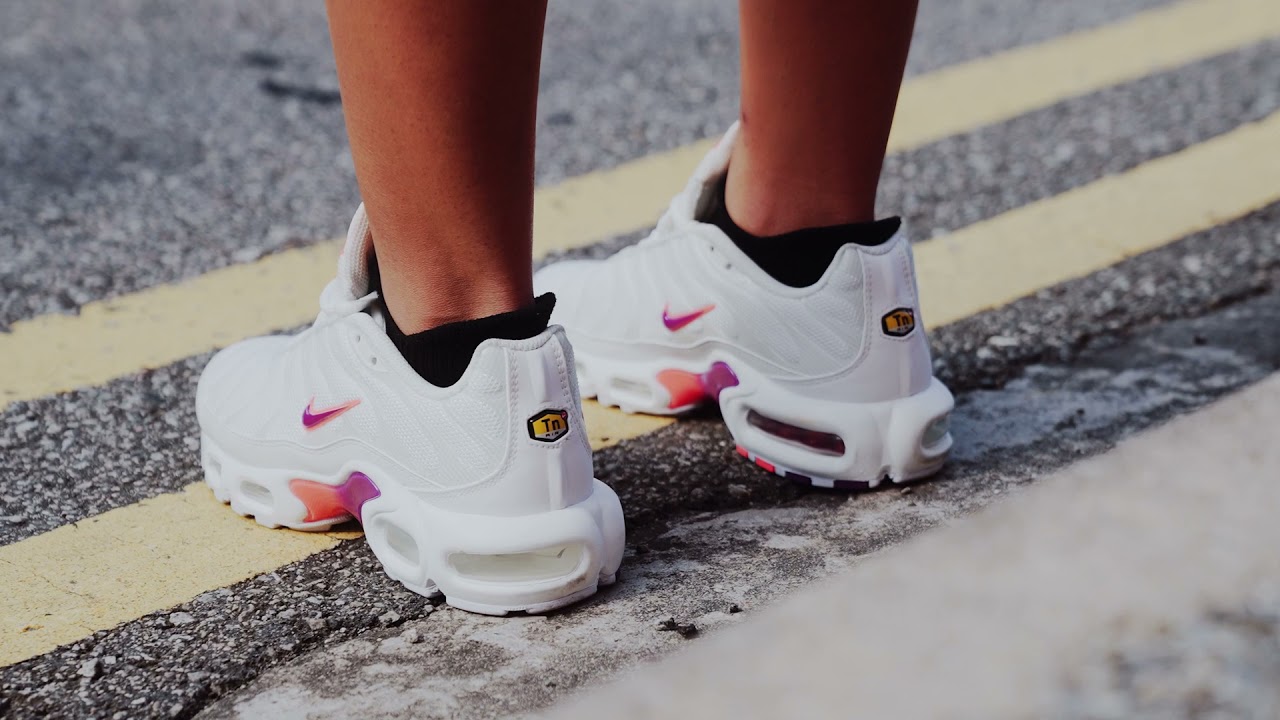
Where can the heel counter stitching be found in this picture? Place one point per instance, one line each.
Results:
(513, 418)
(905, 267)
(566, 401)
(569, 386)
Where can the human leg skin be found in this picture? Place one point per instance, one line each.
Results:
(820, 80)
(440, 98)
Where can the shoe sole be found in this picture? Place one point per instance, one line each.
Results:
(485, 564)
(810, 441)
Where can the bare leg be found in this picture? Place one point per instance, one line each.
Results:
(439, 97)
(820, 80)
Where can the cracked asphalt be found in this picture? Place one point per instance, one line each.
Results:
(143, 143)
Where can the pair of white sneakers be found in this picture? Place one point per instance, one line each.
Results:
(484, 490)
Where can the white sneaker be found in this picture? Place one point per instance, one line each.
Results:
(829, 385)
(483, 490)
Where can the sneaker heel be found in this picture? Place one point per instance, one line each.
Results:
(849, 446)
(496, 565)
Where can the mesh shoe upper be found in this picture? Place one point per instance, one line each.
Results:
(339, 391)
(687, 292)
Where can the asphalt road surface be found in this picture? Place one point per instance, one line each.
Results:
(145, 145)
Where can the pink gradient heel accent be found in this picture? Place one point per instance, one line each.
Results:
(684, 387)
(688, 388)
(326, 502)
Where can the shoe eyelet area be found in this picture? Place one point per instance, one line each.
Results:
(363, 351)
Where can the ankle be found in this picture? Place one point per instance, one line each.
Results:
(420, 305)
(421, 317)
(772, 199)
(438, 338)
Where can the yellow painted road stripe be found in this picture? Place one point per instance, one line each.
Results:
(1036, 76)
(163, 551)
(72, 581)
(161, 325)
(1097, 225)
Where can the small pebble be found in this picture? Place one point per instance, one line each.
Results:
(413, 636)
(180, 618)
(390, 618)
(316, 623)
(683, 629)
(89, 668)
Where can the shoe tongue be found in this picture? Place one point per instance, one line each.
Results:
(707, 177)
(353, 264)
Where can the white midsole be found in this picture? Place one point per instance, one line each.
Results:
(483, 563)
(883, 439)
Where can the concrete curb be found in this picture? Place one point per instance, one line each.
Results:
(1043, 606)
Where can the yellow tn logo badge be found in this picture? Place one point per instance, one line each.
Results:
(549, 425)
(899, 322)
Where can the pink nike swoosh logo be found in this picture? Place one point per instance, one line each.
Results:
(312, 419)
(675, 322)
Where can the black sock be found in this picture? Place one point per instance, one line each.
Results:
(798, 258)
(441, 355)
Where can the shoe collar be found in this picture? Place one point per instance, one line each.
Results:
(698, 195)
(353, 263)
(372, 330)
(696, 202)
(350, 290)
